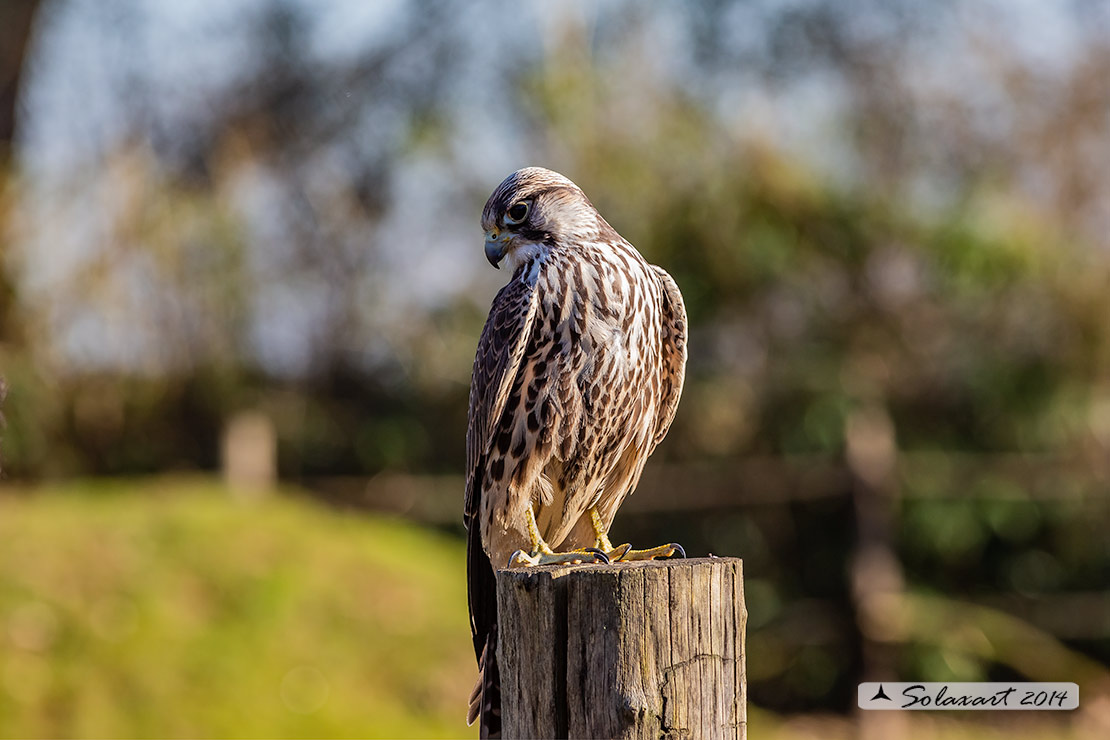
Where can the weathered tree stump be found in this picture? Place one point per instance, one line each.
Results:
(631, 650)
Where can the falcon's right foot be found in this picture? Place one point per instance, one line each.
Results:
(542, 554)
(585, 555)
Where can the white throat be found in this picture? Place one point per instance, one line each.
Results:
(522, 253)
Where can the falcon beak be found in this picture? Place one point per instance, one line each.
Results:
(495, 247)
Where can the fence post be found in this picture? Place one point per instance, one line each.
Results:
(248, 454)
(629, 650)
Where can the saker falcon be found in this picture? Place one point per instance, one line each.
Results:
(576, 380)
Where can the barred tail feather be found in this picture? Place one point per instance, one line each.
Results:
(474, 703)
(485, 699)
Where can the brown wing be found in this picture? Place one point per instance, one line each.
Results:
(673, 372)
(496, 365)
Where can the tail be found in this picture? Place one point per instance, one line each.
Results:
(485, 700)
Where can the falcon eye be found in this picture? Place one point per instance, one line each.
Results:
(517, 213)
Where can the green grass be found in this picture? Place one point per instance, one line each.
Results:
(164, 608)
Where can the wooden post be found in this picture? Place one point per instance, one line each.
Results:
(249, 454)
(630, 650)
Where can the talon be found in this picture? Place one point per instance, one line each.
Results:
(678, 551)
(599, 555)
(520, 557)
(617, 553)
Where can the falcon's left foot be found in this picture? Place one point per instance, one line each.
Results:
(663, 551)
(625, 552)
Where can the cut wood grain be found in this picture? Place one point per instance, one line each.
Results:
(630, 650)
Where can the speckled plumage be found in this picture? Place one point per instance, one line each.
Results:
(576, 380)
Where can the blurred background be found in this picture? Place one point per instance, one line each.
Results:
(241, 284)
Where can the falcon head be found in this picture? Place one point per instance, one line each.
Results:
(532, 210)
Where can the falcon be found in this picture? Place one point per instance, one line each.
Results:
(576, 380)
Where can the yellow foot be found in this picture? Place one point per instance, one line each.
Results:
(625, 552)
(614, 554)
(541, 557)
(542, 554)
(663, 551)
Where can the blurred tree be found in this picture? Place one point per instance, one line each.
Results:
(15, 31)
(16, 18)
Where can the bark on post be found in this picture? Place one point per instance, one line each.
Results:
(631, 650)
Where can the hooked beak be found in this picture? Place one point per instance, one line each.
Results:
(495, 247)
